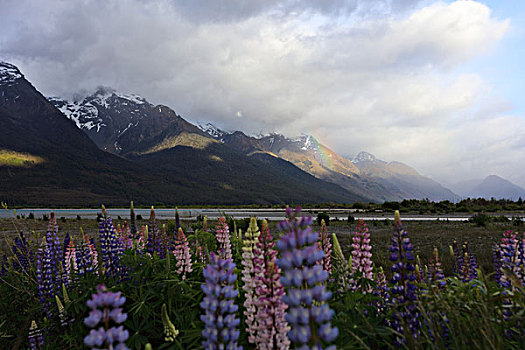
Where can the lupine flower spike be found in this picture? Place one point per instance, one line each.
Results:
(182, 255)
(435, 271)
(403, 280)
(361, 252)
(36, 339)
(111, 248)
(306, 294)
(272, 327)
(326, 247)
(170, 332)
(106, 311)
(249, 278)
(220, 321)
(223, 237)
(341, 266)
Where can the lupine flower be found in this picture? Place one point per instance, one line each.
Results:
(223, 237)
(341, 266)
(205, 224)
(510, 257)
(361, 255)
(125, 236)
(306, 295)
(132, 221)
(35, 337)
(170, 332)
(272, 327)
(106, 311)
(467, 265)
(381, 290)
(182, 254)
(177, 220)
(4, 266)
(403, 290)
(49, 259)
(220, 321)
(496, 259)
(23, 256)
(111, 248)
(61, 312)
(249, 278)
(435, 270)
(70, 261)
(154, 244)
(325, 245)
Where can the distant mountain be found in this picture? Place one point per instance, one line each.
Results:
(401, 178)
(492, 186)
(364, 175)
(160, 158)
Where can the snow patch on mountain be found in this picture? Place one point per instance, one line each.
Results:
(211, 130)
(9, 73)
(364, 157)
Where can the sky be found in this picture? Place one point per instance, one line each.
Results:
(434, 84)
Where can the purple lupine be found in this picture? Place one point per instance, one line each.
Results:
(306, 294)
(467, 265)
(23, 255)
(223, 237)
(86, 255)
(4, 266)
(106, 311)
(325, 245)
(49, 260)
(111, 248)
(249, 278)
(435, 270)
(361, 255)
(403, 291)
(152, 241)
(510, 256)
(35, 337)
(271, 310)
(382, 291)
(220, 321)
(182, 255)
(496, 259)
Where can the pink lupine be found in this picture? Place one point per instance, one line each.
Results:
(223, 237)
(325, 245)
(182, 254)
(249, 276)
(70, 260)
(125, 236)
(361, 255)
(272, 327)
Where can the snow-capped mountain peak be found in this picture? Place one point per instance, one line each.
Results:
(211, 130)
(9, 73)
(364, 157)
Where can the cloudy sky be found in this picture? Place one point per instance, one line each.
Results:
(435, 84)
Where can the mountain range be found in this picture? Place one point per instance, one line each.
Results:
(114, 147)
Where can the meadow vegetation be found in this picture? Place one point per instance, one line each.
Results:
(351, 284)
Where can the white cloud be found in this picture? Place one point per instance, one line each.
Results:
(384, 76)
